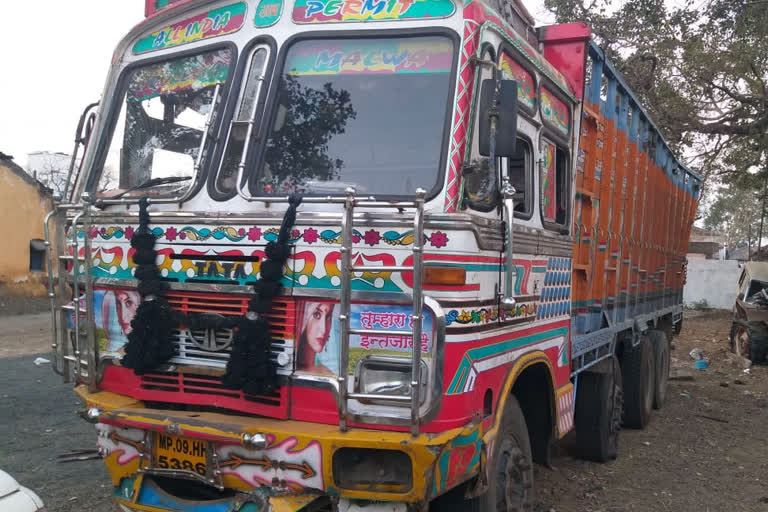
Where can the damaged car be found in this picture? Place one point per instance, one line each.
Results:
(749, 332)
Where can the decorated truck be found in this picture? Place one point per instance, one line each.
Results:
(363, 254)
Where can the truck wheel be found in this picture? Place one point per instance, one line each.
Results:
(510, 487)
(749, 340)
(660, 344)
(510, 482)
(598, 413)
(637, 370)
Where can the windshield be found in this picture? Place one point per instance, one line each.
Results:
(755, 293)
(367, 113)
(159, 132)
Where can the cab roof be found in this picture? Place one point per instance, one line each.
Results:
(757, 270)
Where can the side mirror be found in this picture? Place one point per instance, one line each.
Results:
(741, 296)
(500, 103)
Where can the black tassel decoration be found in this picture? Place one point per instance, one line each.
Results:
(250, 366)
(149, 340)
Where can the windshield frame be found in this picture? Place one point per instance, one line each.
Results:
(269, 115)
(234, 100)
(114, 108)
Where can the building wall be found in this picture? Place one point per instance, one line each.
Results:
(23, 205)
(716, 281)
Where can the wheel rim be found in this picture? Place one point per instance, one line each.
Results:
(514, 478)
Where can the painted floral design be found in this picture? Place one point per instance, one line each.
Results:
(555, 111)
(254, 234)
(372, 237)
(310, 235)
(438, 239)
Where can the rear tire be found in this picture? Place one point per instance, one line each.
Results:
(598, 413)
(637, 369)
(660, 344)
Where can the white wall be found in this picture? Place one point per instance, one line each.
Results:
(716, 281)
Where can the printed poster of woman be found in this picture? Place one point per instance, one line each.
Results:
(317, 341)
(118, 308)
(115, 309)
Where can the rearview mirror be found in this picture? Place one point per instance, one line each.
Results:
(506, 117)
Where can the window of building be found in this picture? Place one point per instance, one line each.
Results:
(36, 255)
(554, 185)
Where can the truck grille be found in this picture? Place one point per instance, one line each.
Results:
(212, 350)
(193, 384)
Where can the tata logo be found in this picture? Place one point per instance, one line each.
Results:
(232, 271)
(212, 340)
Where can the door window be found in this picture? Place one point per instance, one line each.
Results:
(554, 185)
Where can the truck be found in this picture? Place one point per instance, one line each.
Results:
(363, 255)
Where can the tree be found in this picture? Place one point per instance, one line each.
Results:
(51, 169)
(297, 150)
(737, 212)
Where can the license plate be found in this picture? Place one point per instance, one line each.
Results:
(180, 454)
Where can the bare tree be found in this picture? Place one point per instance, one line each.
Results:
(51, 170)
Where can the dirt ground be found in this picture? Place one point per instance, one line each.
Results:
(707, 450)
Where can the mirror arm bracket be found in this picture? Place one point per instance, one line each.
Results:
(508, 302)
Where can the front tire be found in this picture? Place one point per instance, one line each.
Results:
(510, 487)
(510, 482)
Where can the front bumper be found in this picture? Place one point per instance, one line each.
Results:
(293, 468)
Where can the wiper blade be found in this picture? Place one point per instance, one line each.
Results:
(153, 182)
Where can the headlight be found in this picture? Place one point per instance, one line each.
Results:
(372, 469)
(378, 375)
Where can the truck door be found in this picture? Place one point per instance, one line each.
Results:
(481, 186)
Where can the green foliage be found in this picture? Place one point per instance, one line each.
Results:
(736, 212)
(699, 70)
(297, 151)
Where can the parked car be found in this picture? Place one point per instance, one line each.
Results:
(15, 497)
(749, 332)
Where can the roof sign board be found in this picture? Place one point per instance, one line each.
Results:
(215, 22)
(330, 11)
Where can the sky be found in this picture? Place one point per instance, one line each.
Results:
(55, 56)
